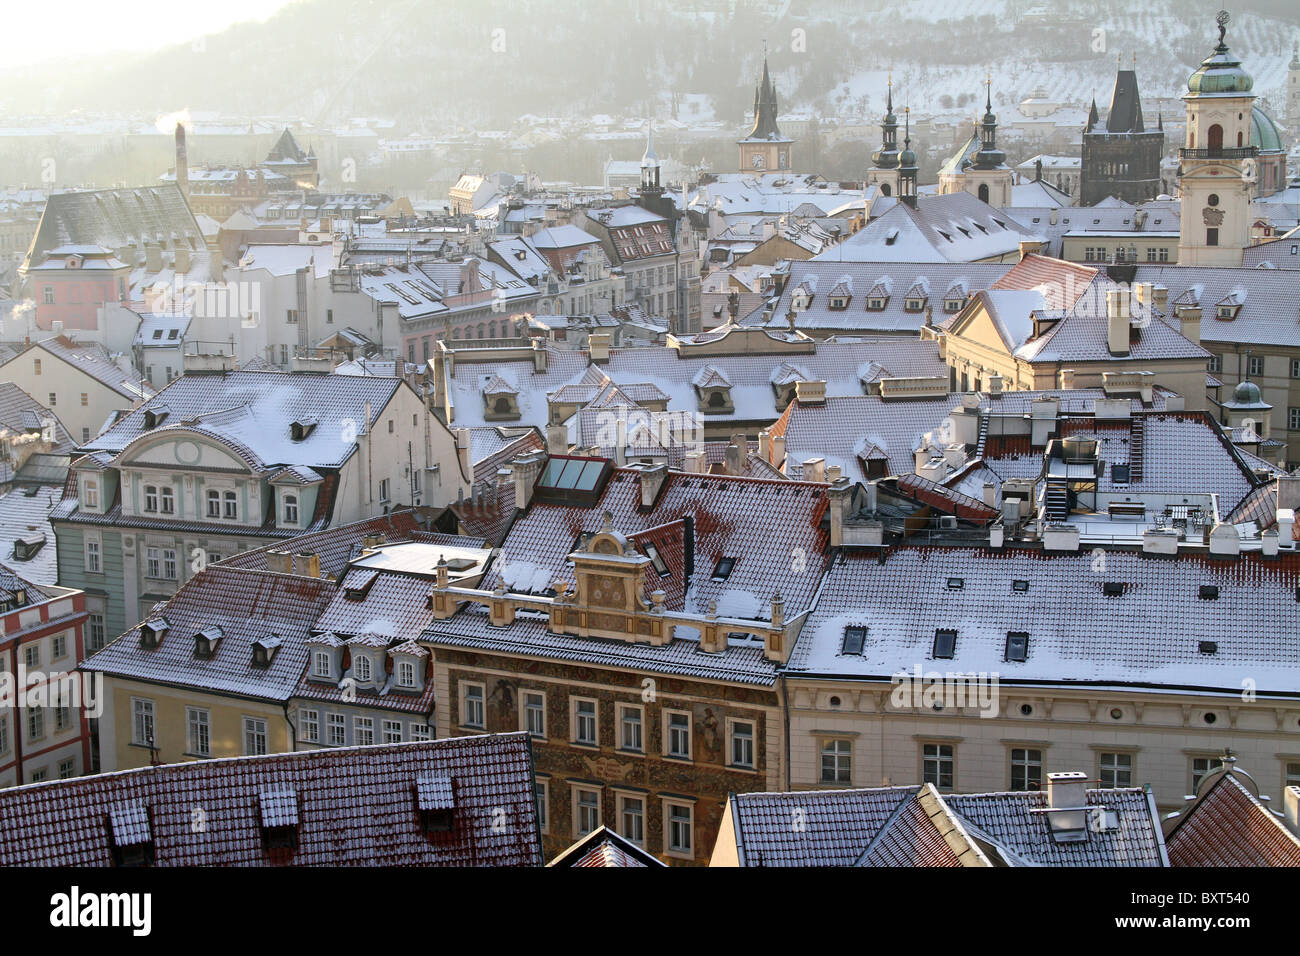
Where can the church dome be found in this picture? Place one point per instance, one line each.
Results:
(907, 157)
(1247, 393)
(1264, 132)
(1221, 73)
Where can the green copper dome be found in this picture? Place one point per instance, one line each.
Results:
(1247, 393)
(1264, 132)
(1220, 73)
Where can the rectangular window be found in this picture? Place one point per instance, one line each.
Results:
(60, 647)
(1215, 363)
(167, 500)
(85, 399)
(587, 811)
(679, 829)
(1116, 770)
(363, 731)
(1017, 649)
(338, 729)
(535, 714)
(631, 819)
(1211, 237)
(92, 493)
(32, 656)
(837, 761)
(322, 664)
(1293, 419)
(420, 732)
(383, 490)
(92, 555)
(629, 723)
(1256, 365)
(472, 715)
(1295, 368)
(54, 399)
(937, 765)
(35, 723)
(540, 796)
(254, 736)
(141, 722)
(4, 734)
(200, 731)
(169, 564)
(742, 744)
(94, 633)
(945, 643)
(1292, 776)
(392, 731)
(1203, 767)
(584, 722)
(309, 725)
(1026, 769)
(677, 735)
(67, 768)
(62, 718)
(153, 563)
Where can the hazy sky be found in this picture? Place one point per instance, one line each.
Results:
(93, 26)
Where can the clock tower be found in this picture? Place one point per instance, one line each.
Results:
(1218, 164)
(764, 149)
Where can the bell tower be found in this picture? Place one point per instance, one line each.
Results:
(1217, 165)
(884, 161)
(764, 150)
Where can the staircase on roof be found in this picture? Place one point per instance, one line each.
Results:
(1137, 429)
(1057, 500)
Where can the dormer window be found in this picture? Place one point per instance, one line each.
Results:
(131, 835)
(265, 649)
(300, 428)
(206, 641)
(406, 674)
(839, 303)
(914, 305)
(154, 415)
(954, 304)
(153, 631)
(362, 668)
(26, 547)
(322, 664)
(876, 304)
(435, 799)
(90, 493)
(278, 808)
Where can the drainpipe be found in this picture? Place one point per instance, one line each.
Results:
(785, 713)
(18, 716)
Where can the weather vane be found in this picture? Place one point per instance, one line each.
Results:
(1222, 19)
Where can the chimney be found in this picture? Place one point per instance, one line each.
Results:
(525, 470)
(598, 347)
(814, 469)
(1067, 801)
(1286, 525)
(1160, 542)
(557, 440)
(990, 494)
(1145, 293)
(1117, 321)
(182, 162)
(652, 481)
(997, 534)
(1288, 492)
(840, 496)
(181, 256)
(694, 463)
(539, 356)
(153, 261)
(280, 562)
(1160, 299)
(309, 564)
(765, 445)
(1189, 322)
(778, 452)
(463, 451)
(1225, 542)
(1030, 247)
(1268, 542)
(810, 393)
(732, 459)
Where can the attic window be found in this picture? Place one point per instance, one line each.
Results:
(855, 638)
(206, 641)
(279, 817)
(131, 835)
(914, 305)
(154, 416)
(1113, 588)
(656, 559)
(839, 302)
(953, 305)
(1019, 585)
(956, 584)
(1209, 647)
(153, 631)
(945, 643)
(264, 650)
(876, 304)
(1209, 592)
(25, 548)
(302, 427)
(435, 798)
(723, 569)
(1017, 646)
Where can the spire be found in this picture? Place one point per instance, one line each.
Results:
(887, 156)
(1093, 117)
(907, 163)
(765, 107)
(651, 186)
(989, 156)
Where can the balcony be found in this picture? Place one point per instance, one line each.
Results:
(1236, 152)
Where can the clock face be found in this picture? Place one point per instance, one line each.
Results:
(758, 161)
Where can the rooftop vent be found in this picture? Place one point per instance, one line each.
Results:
(206, 641)
(300, 428)
(1067, 810)
(1113, 588)
(1209, 647)
(1209, 592)
(155, 415)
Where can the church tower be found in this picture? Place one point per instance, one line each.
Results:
(651, 187)
(1217, 167)
(764, 149)
(1122, 157)
(907, 169)
(884, 161)
(988, 176)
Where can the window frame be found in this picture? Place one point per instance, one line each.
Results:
(465, 700)
(198, 731)
(526, 712)
(840, 751)
(143, 710)
(939, 758)
(670, 733)
(733, 737)
(639, 710)
(1113, 768)
(574, 739)
(1030, 759)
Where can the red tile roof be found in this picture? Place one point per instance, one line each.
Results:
(1227, 825)
(355, 806)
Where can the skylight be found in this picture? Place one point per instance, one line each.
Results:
(1209, 592)
(945, 643)
(956, 584)
(722, 570)
(656, 559)
(1017, 646)
(1019, 585)
(1113, 588)
(855, 638)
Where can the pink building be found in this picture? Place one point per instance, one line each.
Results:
(73, 282)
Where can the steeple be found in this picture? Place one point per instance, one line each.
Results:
(651, 187)
(764, 148)
(907, 163)
(765, 108)
(887, 156)
(989, 156)
(1093, 117)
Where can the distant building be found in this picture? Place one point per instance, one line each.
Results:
(1121, 159)
(764, 148)
(979, 167)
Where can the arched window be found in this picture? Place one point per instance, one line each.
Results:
(231, 505)
(291, 509)
(717, 400)
(885, 189)
(1239, 142)
(984, 192)
(482, 331)
(1215, 139)
(406, 674)
(214, 504)
(502, 406)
